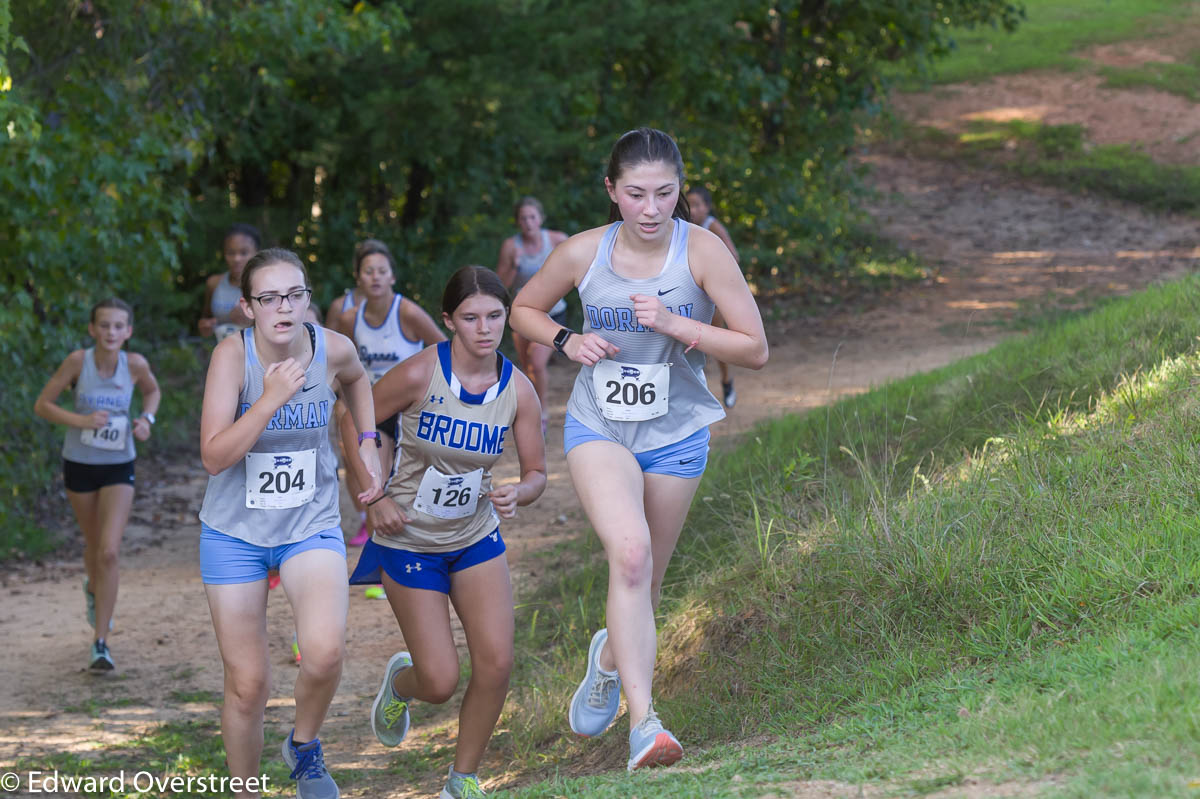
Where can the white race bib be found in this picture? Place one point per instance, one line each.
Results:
(280, 479)
(629, 392)
(225, 330)
(448, 496)
(112, 436)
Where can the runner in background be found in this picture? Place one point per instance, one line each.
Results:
(636, 432)
(436, 531)
(521, 256)
(222, 316)
(272, 502)
(387, 329)
(98, 453)
(701, 206)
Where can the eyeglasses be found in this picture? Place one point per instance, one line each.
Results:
(274, 300)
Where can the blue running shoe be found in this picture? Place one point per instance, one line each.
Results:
(465, 786)
(307, 763)
(598, 697)
(100, 659)
(389, 712)
(651, 745)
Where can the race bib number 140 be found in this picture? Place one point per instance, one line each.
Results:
(277, 480)
(112, 436)
(629, 392)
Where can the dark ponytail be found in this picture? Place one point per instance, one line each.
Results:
(646, 146)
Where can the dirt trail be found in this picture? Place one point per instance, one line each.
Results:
(1002, 250)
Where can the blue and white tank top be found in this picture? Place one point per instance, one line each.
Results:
(381, 348)
(113, 443)
(708, 222)
(528, 265)
(650, 394)
(448, 443)
(285, 488)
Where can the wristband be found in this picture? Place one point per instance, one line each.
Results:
(377, 499)
(149, 417)
(370, 434)
(695, 341)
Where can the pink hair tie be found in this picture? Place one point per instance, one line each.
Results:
(695, 341)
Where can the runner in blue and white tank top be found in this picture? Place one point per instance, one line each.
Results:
(98, 452)
(700, 204)
(521, 256)
(388, 329)
(636, 432)
(437, 536)
(272, 503)
(222, 316)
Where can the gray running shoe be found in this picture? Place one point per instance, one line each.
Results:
(100, 659)
(462, 787)
(651, 745)
(598, 697)
(389, 713)
(307, 763)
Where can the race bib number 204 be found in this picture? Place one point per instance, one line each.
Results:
(277, 480)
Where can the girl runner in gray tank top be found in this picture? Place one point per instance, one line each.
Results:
(221, 316)
(272, 503)
(636, 451)
(98, 452)
(521, 256)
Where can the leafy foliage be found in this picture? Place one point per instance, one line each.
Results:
(136, 130)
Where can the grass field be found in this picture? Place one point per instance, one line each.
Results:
(989, 571)
(1050, 36)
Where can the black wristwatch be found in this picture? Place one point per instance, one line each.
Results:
(560, 340)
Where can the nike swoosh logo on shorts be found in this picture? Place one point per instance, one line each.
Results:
(689, 460)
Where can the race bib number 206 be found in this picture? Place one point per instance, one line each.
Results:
(631, 392)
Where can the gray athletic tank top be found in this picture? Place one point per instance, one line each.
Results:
(381, 348)
(708, 222)
(608, 312)
(448, 443)
(290, 459)
(114, 443)
(224, 298)
(528, 265)
(348, 300)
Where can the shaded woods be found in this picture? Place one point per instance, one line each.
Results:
(133, 131)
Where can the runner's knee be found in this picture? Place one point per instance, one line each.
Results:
(631, 563)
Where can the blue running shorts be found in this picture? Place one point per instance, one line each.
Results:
(686, 458)
(225, 560)
(428, 570)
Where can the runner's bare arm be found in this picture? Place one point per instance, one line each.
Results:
(47, 407)
(143, 378)
(414, 319)
(531, 451)
(564, 268)
(506, 265)
(744, 343)
(225, 437)
(356, 387)
(723, 234)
